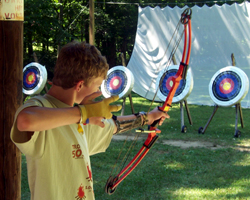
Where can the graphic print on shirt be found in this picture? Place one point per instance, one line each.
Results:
(90, 173)
(77, 151)
(80, 194)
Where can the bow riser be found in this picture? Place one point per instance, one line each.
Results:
(176, 82)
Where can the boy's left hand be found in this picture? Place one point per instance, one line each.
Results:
(155, 115)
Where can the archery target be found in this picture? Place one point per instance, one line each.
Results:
(165, 83)
(228, 86)
(34, 78)
(120, 81)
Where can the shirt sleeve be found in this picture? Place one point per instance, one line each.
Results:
(29, 146)
(99, 138)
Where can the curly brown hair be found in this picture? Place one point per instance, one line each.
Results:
(79, 61)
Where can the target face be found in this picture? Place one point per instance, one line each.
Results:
(120, 81)
(165, 83)
(34, 78)
(228, 86)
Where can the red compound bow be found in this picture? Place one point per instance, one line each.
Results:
(114, 181)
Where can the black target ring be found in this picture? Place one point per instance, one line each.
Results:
(120, 81)
(164, 81)
(34, 78)
(228, 86)
(115, 83)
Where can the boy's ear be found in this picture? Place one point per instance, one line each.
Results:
(79, 86)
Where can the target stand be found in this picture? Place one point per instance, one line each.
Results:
(227, 88)
(120, 81)
(34, 78)
(164, 81)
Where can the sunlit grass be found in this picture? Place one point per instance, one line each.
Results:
(171, 172)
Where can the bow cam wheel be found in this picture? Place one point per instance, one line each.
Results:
(186, 16)
(109, 184)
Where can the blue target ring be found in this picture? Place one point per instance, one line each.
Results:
(166, 83)
(226, 86)
(116, 82)
(31, 77)
(34, 78)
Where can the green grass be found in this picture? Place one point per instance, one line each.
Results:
(169, 172)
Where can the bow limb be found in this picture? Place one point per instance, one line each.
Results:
(183, 67)
(113, 182)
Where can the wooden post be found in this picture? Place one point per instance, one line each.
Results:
(91, 22)
(233, 59)
(130, 96)
(11, 70)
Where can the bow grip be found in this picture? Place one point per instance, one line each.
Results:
(154, 124)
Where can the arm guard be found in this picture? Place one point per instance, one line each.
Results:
(126, 125)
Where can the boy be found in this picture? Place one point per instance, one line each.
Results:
(49, 129)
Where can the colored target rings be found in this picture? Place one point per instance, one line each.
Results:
(165, 83)
(228, 86)
(34, 78)
(120, 81)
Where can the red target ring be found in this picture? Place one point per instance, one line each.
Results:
(169, 83)
(165, 83)
(115, 82)
(30, 78)
(226, 85)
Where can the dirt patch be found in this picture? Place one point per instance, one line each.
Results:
(195, 144)
(185, 144)
(178, 143)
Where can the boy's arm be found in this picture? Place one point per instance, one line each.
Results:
(37, 118)
(42, 118)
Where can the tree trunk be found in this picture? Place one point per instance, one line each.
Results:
(11, 70)
(91, 22)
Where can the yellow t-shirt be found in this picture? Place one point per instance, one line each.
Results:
(58, 160)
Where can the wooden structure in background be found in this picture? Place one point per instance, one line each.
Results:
(130, 96)
(91, 22)
(183, 127)
(238, 111)
(11, 80)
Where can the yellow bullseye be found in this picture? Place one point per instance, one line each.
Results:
(171, 83)
(226, 86)
(30, 78)
(116, 82)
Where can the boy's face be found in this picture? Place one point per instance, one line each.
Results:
(93, 86)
